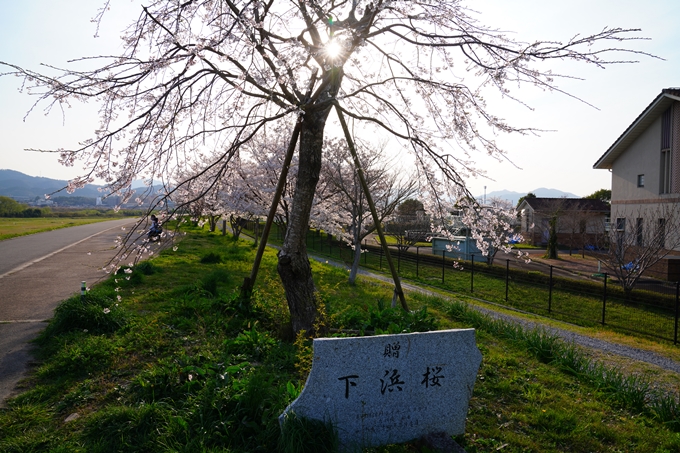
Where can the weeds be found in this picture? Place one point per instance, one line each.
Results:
(211, 258)
(94, 314)
(304, 357)
(667, 410)
(186, 365)
(146, 268)
(297, 431)
(211, 281)
(633, 392)
(380, 319)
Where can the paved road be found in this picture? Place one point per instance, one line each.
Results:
(36, 273)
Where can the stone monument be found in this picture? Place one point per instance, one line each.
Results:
(390, 388)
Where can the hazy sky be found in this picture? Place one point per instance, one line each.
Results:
(53, 31)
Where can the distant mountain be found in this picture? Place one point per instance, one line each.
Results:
(541, 192)
(25, 188)
(20, 186)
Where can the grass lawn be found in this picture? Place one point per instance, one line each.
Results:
(180, 364)
(13, 227)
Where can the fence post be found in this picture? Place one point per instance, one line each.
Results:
(417, 259)
(381, 254)
(472, 273)
(83, 291)
(507, 278)
(604, 298)
(398, 259)
(677, 311)
(224, 227)
(443, 264)
(550, 286)
(365, 251)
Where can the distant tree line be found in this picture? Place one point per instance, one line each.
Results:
(12, 208)
(75, 201)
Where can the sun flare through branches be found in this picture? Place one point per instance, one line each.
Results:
(197, 83)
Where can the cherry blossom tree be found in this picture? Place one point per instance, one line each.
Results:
(237, 200)
(205, 76)
(490, 225)
(409, 224)
(346, 209)
(638, 239)
(198, 192)
(493, 227)
(259, 170)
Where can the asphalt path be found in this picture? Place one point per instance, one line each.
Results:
(39, 271)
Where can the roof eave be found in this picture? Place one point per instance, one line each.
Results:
(655, 108)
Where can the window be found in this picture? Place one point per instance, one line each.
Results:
(666, 171)
(666, 119)
(666, 162)
(641, 180)
(620, 224)
(661, 233)
(638, 231)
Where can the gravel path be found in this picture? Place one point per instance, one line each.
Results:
(637, 354)
(640, 355)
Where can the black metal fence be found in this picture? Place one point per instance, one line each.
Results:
(652, 308)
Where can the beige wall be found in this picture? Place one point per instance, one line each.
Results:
(669, 208)
(642, 157)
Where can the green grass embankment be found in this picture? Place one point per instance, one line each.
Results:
(181, 364)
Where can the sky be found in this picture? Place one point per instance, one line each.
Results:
(576, 133)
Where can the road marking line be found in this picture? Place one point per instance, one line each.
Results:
(30, 263)
(19, 321)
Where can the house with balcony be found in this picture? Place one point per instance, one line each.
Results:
(644, 162)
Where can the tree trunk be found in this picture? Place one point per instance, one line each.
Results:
(236, 227)
(357, 256)
(293, 266)
(551, 252)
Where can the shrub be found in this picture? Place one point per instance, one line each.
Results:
(146, 268)
(211, 258)
(96, 314)
(381, 319)
(209, 282)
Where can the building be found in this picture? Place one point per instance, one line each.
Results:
(581, 222)
(645, 166)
